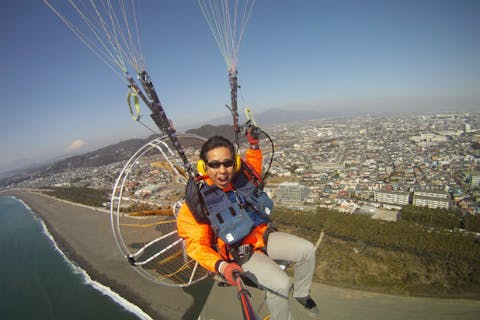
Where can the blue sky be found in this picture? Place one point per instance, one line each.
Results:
(352, 55)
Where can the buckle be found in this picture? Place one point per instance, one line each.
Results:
(244, 250)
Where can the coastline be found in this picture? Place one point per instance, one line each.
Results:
(84, 235)
(86, 277)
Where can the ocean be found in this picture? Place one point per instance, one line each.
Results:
(38, 281)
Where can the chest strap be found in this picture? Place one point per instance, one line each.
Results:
(228, 219)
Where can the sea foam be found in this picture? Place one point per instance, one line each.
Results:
(105, 290)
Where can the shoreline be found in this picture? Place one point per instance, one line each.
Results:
(91, 275)
(114, 273)
(104, 290)
(83, 234)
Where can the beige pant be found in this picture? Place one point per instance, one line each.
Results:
(263, 270)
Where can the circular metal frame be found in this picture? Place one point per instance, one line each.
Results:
(145, 200)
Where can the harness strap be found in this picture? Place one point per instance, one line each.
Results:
(241, 254)
(266, 234)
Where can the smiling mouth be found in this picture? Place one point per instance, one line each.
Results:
(222, 179)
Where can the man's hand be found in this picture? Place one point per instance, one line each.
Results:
(252, 134)
(230, 271)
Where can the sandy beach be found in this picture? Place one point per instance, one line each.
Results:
(84, 235)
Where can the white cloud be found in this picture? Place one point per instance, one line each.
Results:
(76, 145)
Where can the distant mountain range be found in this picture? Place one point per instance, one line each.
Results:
(209, 130)
(121, 151)
(278, 116)
(125, 149)
(106, 155)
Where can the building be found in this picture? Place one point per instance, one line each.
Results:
(325, 166)
(392, 197)
(431, 199)
(366, 210)
(291, 193)
(425, 139)
(475, 183)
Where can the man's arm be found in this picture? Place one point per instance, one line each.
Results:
(198, 239)
(254, 155)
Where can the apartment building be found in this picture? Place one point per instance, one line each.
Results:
(392, 197)
(291, 193)
(431, 199)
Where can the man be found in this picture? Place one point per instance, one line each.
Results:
(227, 229)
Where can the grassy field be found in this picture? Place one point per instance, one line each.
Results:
(408, 257)
(435, 263)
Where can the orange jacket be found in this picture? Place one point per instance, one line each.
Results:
(199, 237)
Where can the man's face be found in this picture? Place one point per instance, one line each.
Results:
(220, 165)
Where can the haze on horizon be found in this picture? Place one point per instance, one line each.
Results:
(351, 57)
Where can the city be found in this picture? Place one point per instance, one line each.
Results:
(430, 160)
